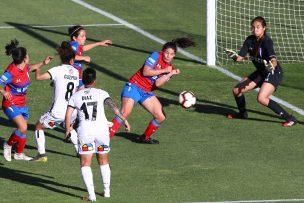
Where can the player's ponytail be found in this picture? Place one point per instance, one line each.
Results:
(18, 53)
(66, 52)
(182, 42)
(74, 31)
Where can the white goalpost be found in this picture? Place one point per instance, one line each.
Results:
(228, 24)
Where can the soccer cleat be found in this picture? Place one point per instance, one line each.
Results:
(290, 122)
(7, 152)
(40, 158)
(21, 156)
(143, 140)
(87, 199)
(239, 115)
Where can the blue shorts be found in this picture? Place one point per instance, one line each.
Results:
(137, 94)
(13, 111)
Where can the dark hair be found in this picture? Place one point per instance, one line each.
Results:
(88, 76)
(75, 30)
(18, 53)
(259, 19)
(66, 52)
(182, 42)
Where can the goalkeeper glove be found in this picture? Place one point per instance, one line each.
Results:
(269, 67)
(232, 54)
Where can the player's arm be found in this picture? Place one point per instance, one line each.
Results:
(86, 59)
(42, 76)
(36, 66)
(96, 44)
(68, 121)
(162, 80)
(109, 102)
(149, 72)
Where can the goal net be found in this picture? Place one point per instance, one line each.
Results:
(285, 25)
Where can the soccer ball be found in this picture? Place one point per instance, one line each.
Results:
(186, 99)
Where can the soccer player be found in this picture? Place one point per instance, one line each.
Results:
(66, 80)
(16, 81)
(93, 130)
(268, 75)
(155, 72)
(78, 39)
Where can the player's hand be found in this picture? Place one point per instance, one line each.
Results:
(87, 59)
(47, 60)
(269, 67)
(127, 126)
(232, 54)
(7, 95)
(168, 69)
(105, 42)
(67, 134)
(110, 124)
(176, 72)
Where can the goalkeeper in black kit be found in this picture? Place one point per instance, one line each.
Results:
(268, 75)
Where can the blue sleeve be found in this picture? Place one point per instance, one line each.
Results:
(6, 78)
(74, 46)
(151, 61)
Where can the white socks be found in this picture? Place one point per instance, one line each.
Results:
(87, 177)
(106, 179)
(74, 140)
(40, 140)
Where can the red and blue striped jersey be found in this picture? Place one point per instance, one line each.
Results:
(154, 61)
(15, 81)
(79, 51)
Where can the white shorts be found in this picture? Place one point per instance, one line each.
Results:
(48, 120)
(94, 144)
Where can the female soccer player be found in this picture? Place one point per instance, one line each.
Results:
(268, 75)
(16, 81)
(78, 39)
(93, 130)
(66, 80)
(155, 72)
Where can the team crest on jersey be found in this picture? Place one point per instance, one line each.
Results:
(52, 124)
(103, 148)
(71, 71)
(87, 147)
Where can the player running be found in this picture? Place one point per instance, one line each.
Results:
(66, 80)
(155, 72)
(78, 39)
(93, 130)
(16, 81)
(258, 47)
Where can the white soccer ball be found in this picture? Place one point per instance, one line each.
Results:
(186, 99)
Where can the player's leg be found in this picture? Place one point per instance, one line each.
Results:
(238, 91)
(263, 98)
(40, 141)
(153, 106)
(102, 150)
(86, 154)
(129, 97)
(19, 116)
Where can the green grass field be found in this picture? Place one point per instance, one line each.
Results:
(202, 156)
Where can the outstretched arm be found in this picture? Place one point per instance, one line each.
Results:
(36, 66)
(93, 45)
(109, 102)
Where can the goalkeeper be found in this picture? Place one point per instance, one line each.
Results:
(268, 75)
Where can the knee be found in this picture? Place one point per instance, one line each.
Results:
(236, 91)
(22, 129)
(161, 119)
(262, 100)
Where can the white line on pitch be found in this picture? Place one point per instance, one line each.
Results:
(54, 26)
(183, 52)
(256, 201)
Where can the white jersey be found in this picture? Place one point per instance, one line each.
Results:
(66, 81)
(89, 103)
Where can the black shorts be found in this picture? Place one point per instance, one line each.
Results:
(260, 78)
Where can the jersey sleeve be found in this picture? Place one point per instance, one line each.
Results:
(53, 72)
(104, 94)
(74, 46)
(6, 78)
(245, 48)
(152, 60)
(71, 102)
(270, 50)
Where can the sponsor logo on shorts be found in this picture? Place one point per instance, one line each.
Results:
(103, 148)
(87, 147)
